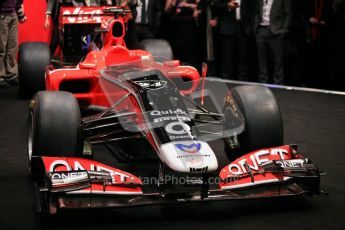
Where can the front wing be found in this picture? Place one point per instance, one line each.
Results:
(78, 183)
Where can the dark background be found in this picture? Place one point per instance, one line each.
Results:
(315, 121)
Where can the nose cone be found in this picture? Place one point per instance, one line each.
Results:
(189, 157)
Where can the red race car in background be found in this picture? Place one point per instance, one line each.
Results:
(161, 121)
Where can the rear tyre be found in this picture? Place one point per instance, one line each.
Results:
(54, 125)
(263, 121)
(33, 59)
(160, 49)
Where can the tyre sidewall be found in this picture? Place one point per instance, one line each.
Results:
(56, 124)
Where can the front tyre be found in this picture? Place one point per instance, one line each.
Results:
(263, 121)
(54, 125)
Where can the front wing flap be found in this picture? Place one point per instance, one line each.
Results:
(72, 175)
(270, 166)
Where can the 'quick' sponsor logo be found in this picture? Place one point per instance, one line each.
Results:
(168, 112)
